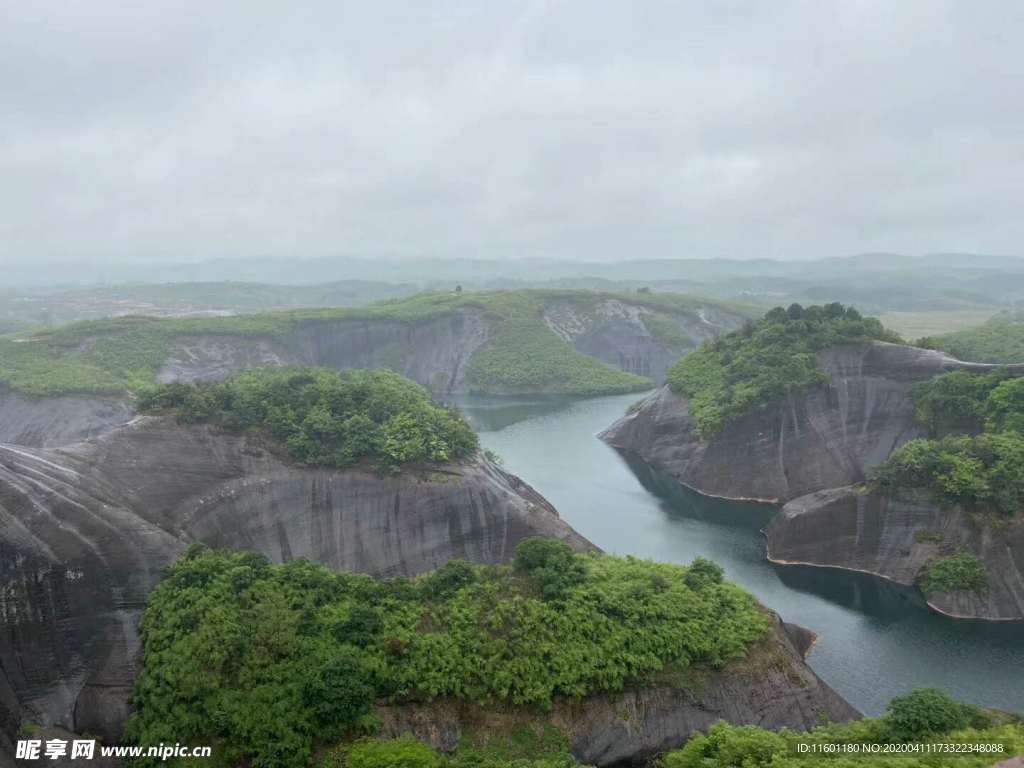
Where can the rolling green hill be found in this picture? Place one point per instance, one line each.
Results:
(522, 351)
(1000, 340)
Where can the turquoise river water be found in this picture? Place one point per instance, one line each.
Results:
(876, 641)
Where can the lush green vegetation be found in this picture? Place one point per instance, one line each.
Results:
(766, 360)
(983, 472)
(1000, 340)
(962, 401)
(962, 572)
(261, 660)
(325, 417)
(522, 354)
(926, 715)
(923, 716)
(521, 749)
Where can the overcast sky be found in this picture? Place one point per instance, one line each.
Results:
(589, 130)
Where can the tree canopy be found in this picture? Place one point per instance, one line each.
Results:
(325, 417)
(763, 361)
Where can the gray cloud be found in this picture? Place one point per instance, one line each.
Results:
(576, 129)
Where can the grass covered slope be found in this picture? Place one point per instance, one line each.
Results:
(766, 360)
(1000, 340)
(325, 417)
(264, 661)
(522, 354)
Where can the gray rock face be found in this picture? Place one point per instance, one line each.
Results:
(85, 532)
(852, 529)
(434, 353)
(772, 688)
(50, 421)
(617, 334)
(826, 438)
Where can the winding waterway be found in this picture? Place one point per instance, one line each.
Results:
(876, 641)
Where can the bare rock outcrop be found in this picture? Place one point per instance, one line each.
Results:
(894, 538)
(46, 422)
(772, 688)
(86, 530)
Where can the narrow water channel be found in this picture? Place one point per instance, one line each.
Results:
(876, 641)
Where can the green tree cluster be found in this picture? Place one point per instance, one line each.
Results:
(325, 417)
(982, 472)
(262, 661)
(962, 572)
(764, 361)
(962, 401)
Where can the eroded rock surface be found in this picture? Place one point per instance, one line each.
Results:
(86, 530)
(856, 530)
(620, 334)
(46, 422)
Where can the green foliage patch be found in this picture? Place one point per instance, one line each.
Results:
(764, 361)
(325, 417)
(980, 472)
(962, 401)
(962, 572)
(260, 660)
(1001, 340)
(923, 716)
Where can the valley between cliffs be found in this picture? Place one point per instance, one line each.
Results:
(811, 450)
(86, 529)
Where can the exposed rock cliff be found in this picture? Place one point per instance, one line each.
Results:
(772, 688)
(46, 422)
(853, 529)
(85, 531)
(434, 353)
(811, 441)
(625, 335)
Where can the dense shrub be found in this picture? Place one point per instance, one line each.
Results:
(929, 712)
(981, 472)
(962, 572)
(551, 565)
(927, 715)
(726, 378)
(258, 660)
(326, 417)
(955, 402)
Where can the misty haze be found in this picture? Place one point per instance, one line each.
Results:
(540, 385)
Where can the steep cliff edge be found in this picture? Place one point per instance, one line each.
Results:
(772, 687)
(85, 532)
(826, 438)
(896, 538)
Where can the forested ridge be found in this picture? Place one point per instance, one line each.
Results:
(325, 417)
(264, 662)
(766, 360)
